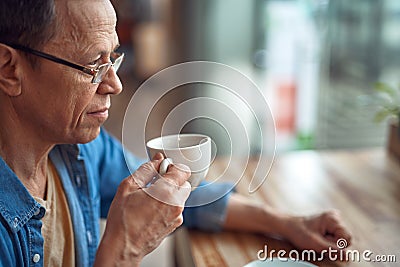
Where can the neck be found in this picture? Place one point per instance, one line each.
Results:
(25, 153)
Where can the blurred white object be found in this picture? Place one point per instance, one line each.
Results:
(279, 262)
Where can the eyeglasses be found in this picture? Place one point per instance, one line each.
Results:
(97, 73)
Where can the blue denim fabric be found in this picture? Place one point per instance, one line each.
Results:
(90, 174)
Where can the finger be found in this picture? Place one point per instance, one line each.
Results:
(179, 221)
(169, 193)
(178, 174)
(335, 227)
(147, 171)
(320, 243)
(158, 156)
(172, 227)
(183, 193)
(342, 233)
(176, 222)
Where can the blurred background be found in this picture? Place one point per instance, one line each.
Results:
(315, 61)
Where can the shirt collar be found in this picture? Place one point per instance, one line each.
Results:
(17, 206)
(73, 149)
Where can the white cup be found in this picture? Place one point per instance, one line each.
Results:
(193, 150)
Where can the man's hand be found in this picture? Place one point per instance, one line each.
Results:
(317, 232)
(141, 217)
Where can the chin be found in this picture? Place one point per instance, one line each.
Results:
(87, 136)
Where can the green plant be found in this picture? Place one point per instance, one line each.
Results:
(389, 98)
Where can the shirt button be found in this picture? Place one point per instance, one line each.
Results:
(89, 237)
(37, 212)
(15, 223)
(78, 180)
(36, 258)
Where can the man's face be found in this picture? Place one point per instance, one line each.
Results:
(59, 102)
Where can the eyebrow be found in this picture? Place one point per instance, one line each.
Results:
(102, 53)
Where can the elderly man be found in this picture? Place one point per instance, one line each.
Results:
(60, 172)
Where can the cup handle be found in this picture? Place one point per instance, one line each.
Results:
(164, 165)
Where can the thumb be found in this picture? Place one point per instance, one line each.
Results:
(158, 156)
(147, 171)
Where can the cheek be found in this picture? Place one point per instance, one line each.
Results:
(78, 102)
(62, 94)
(71, 101)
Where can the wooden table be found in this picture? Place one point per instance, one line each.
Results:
(363, 184)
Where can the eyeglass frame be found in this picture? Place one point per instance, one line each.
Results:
(116, 63)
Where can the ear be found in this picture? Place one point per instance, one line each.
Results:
(10, 71)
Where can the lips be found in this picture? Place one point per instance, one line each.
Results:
(99, 112)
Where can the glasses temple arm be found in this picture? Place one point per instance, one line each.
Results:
(52, 58)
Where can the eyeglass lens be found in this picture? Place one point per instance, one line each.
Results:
(103, 69)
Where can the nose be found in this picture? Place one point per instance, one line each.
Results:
(111, 84)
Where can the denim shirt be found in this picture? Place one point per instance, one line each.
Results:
(90, 174)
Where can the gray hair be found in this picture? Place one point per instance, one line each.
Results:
(27, 22)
